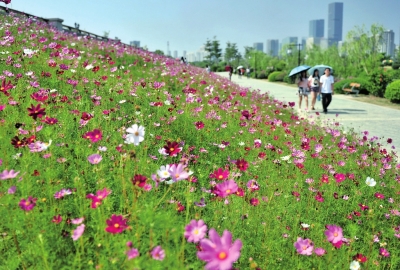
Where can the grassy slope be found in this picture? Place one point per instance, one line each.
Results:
(31, 240)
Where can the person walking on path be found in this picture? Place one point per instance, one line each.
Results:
(302, 83)
(326, 82)
(208, 69)
(313, 84)
(230, 73)
(248, 72)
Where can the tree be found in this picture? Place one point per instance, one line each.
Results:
(208, 48)
(106, 34)
(159, 52)
(362, 47)
(213, 50)
(231, 52)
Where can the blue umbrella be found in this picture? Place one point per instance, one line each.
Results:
(298, 70)
(321, 69)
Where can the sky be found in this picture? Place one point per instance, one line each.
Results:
(187, 24)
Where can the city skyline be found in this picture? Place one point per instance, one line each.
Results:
(185, 26)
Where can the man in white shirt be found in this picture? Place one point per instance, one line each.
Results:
(326, 82)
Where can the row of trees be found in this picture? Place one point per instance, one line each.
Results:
(360, 53)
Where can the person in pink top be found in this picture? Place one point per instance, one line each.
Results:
(302, 83)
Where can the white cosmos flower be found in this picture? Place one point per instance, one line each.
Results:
(241, 143)
(163, 172)
(28, 51)
(370, 182)
(305, 225)
(122, 101)
(167, 102)
(135, 134)
(354, 265)
(285, 157)
(90, 66)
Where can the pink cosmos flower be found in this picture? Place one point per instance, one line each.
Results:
(132, 253)
(62, 193)
(78, 232)
(8, 174)
(334, 233)
(99, 197)
(226, 188)
(195, 230)
(220, 174)
(379, 195)
(116, 224)
(158, 253)
(77, 221)
(27, 204)
(93, 136)
(2, 107)
(178, 172)
(304, 246)
(95, 158)
(219, 252)
(319, 251)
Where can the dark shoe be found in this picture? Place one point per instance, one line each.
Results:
(313, 108)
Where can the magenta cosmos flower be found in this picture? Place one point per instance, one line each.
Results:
(304, 246)
(116, 224)
(27, 204)
(36, 111)
(99, 197)
(93, 136)
(195, 230)
(334, 233)
(95, 158)
(158, 253)
(199, 125)
(220, 174)
(218, 252)
(226, 188)
(384, 252)
(242, 164)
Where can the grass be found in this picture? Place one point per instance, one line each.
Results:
(281, 177)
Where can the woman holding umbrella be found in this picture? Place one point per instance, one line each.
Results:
(302, 83)
(313, 83)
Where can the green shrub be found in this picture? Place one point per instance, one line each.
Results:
(393, 91)
(280, 76)
(281, 65)
(275, 76)
(262, 75)
(364, 85)
(396, 65)
(289, 80)
(378, 81)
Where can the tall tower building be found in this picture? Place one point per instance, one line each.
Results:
(316, 29)
(335, 23)
(388, 46)
(273, 47)
(259, 46)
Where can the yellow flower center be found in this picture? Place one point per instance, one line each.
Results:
(222, 255)
(304, 247)
(228, 191)
(171, 149)
(177, 175)
(196, 232)
(335, 234)
(136, 133)
(220, 177)
(27, 203)
(116, 225)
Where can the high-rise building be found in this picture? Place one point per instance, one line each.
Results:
(388, 46)
(175, 54)
(273, 47)
(259, 46)
(184, 54)
(289, 40)
(135, 43)
(335, 23)
(316, 29)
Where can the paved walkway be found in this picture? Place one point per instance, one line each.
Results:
(377, 120)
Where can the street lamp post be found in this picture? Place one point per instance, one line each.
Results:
(289, 51)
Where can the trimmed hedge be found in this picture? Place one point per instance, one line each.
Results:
(364, 85)
(276, 76)
(393, 91)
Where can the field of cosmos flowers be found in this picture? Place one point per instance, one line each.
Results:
(116, 158)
